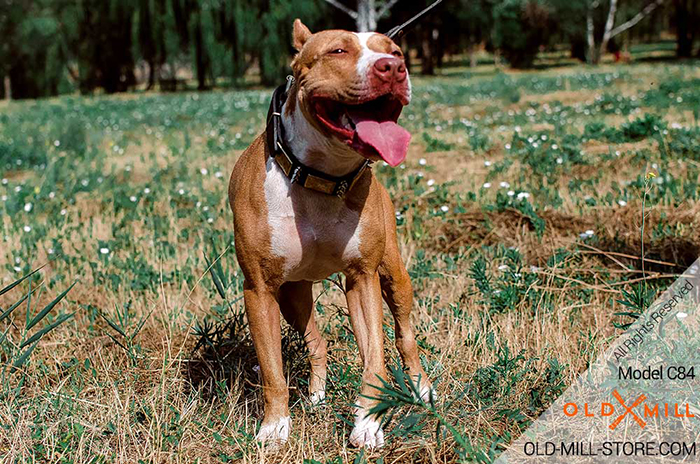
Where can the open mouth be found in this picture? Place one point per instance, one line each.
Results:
(369, 127)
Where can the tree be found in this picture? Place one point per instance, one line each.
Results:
(235, 26)
(367, 14)
(596, 51)
(30, 55)
(519, 30)
(687, 17)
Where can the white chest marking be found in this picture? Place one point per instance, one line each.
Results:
(314, 233)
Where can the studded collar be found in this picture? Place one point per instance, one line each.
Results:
(295, 171)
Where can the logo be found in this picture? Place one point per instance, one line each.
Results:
(638, 410)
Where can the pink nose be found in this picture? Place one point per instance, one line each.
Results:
(388, 69)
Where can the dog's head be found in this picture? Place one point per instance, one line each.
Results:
(352, 87)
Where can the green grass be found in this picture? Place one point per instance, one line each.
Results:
(519, 213)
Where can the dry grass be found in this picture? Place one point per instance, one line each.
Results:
(83, 397)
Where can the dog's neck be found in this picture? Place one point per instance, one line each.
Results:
(314, 149)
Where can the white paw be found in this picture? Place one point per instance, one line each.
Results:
(275, 433)
(317, 397)
(427, 392)
(367, 433)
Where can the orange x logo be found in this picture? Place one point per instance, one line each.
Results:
(628, 411)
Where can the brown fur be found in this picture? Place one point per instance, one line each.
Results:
(379, 272)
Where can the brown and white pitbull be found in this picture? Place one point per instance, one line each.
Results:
(341, 110)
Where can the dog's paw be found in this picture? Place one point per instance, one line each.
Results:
(276, 433)
(317, 398)
(427, 393)
(367, 433)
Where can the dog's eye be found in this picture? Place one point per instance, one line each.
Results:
(337, 51)
(397, 53)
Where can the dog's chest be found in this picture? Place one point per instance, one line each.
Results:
(315, 234)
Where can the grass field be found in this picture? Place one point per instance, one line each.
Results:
(520, 219)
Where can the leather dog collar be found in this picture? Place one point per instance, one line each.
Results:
(295, 171)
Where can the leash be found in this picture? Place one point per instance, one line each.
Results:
(400, 29)
(296, 172)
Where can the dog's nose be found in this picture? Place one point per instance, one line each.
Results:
(390, 69)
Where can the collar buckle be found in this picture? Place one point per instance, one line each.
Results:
(341, 189)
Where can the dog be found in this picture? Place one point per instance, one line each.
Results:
(306, 205)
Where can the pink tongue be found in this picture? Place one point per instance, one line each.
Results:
(387, 138)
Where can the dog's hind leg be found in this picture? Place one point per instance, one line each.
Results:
(296, 304)
(398, 294)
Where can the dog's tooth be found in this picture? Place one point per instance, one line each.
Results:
(345, 121)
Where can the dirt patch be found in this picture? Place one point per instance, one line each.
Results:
(617, 231)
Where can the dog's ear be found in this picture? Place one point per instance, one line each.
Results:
(301, 34)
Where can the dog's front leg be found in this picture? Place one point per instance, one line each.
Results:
(365, 306)
(262, 309)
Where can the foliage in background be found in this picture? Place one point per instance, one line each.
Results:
(520, 29)
(51, 47)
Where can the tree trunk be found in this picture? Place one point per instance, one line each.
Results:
(471, 51)
(590, 33)
(200, 58)
(439, 47)
(366, 16)
(23, 86)
(151, 75)
(427, 65)
(607, 33)
(684, 38)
